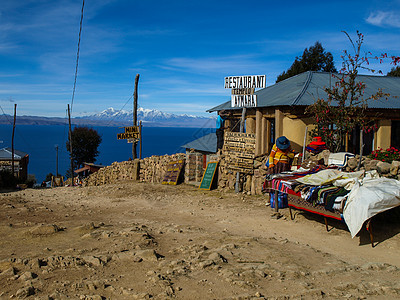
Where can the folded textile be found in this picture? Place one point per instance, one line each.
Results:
(339, 159)
(322, 177)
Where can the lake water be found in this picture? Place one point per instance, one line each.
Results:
(40, 141)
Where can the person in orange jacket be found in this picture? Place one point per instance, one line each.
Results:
(281, 156)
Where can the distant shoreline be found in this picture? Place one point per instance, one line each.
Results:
(35, 120)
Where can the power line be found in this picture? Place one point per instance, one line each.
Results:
(9, 121)
(77, 55)
(119, 110)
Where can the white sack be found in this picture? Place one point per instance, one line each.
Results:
(366, 200)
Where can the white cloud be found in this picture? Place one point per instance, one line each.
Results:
(384, 19)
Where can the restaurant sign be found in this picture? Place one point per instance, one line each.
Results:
(243, 89)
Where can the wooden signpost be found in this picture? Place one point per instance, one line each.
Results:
(131, 132)
(173, 173)
(208, 176)
(240, 151)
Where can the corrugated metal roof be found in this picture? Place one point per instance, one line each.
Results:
(207, 143)
(307, 87)
(6, 154)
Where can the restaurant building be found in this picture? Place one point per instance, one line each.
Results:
(279, 110)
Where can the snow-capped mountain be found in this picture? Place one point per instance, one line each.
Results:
(113, 117)
(150, 117)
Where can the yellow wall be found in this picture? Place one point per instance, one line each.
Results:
(294, 130)
(383, 135)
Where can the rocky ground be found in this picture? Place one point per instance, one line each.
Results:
(151, 241)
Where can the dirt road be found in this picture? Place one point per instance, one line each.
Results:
(150, 241)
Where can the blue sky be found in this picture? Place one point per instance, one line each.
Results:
(181, 49)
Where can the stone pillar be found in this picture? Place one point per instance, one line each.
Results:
(250, 125)
(384, 134)
(258, 132)
(264, 134)
(268, 135)
(278, 123)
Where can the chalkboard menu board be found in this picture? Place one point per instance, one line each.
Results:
(173, 172)
(208, 176)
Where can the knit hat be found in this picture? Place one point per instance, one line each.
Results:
(282, 143)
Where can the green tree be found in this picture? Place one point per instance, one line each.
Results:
(345, 106)
(85, 142)
(314, 58)
(394, 72)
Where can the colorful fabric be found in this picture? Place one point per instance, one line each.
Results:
(282, 156)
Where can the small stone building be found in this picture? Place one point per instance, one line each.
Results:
(21, 160)
(198, 153)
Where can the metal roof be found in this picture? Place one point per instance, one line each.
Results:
(306, 88)
(207, 143)
(6, 154)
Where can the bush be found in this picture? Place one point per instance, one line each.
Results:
(388, 155)
(7, 180)
(30, 181)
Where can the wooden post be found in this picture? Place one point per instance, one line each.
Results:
(304, 144)
(12, 141)
(135, 104)
(70, 147)
(140, 139)
(241, 130)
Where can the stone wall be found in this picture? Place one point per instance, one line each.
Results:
(152, 169)
(149, 169)
(117, 171)
(249, 183)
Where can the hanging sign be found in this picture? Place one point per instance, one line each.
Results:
(243, 89)
(131, 132)
(240, 151)
(245, 82)
(243, 100)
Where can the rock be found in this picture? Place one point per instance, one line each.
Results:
(93, 261)
(352, 163)
(383, 167)
(9, 272)
(27, 276)
(371, 165)
(45, 229)
(25, 292)
(148, 255)
(216, 257)
(394, 169)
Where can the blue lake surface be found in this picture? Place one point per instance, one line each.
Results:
(40, 141)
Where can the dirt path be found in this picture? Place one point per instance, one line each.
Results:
(142, 241)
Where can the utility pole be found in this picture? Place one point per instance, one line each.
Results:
(12, 140)
(70, 147)
(135, 104)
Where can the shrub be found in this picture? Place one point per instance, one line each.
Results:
(388, 155)
(7, 179)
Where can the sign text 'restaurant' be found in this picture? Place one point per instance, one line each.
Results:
(245, 82)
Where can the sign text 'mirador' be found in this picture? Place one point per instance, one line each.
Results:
(245, 82)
